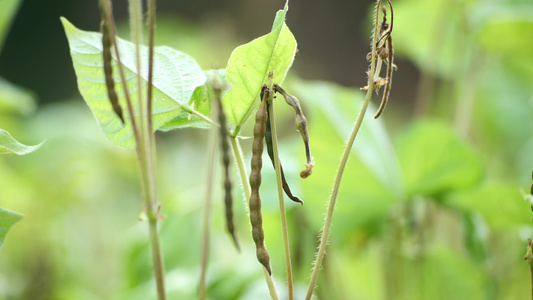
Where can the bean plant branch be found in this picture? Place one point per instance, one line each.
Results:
(202, 288)
(342, 165)
(283, 215)
(146, 144)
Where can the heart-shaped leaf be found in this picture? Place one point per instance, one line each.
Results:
(176, 76)
(249, 66)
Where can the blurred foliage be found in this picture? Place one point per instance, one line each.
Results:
(8, 8)
(430, 205)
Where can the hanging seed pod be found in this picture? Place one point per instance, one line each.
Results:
(388, 84)
(270, 150)
(256, 219)
(224, 145)
(107, 43)
(301, 125)
(385, 51)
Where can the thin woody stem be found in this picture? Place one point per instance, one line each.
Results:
(283, 214)
(342, 165)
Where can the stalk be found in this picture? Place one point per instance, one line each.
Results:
(283, 215)
(202, 289)
(239, 158)
(342, 165)
(147, 144)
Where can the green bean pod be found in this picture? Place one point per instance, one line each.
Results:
(228, 186)
(256, 218)
(107, 43)
(270, 150)
(301, 125)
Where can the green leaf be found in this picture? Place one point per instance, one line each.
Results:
(7, 220)
(9, 145)
(15, 99)
(249, 66)
(176, 77)
(8, 8)
(200, 101)
(435, 160)
(501, 205)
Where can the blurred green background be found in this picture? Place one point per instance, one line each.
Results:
(430, 206)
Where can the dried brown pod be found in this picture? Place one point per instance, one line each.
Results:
(256, 218)
(385, 52)
(301, 125)
(224, 145)
(270, 150)
(107, 43)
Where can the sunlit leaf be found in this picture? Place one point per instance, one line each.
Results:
(9, 145)
(200, 101)
(249, 66)
(176, 77)
(7, 220)
(435, 160)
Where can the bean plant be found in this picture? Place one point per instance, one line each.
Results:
(414, 212)
(134, 90)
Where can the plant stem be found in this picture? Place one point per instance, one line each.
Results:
(202, 289)
(151, 37)
(239, 158)
(465, 103)
(146, 145)
(283, 215)
(531, 275)
(342, 165)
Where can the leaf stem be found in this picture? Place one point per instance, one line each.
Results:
(200, 115)
(342, 165)
(239, 158)
(283, 215)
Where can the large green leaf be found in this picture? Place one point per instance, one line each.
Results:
(435, 160)
(9, 145)
(249, 66)
(176, 77)
(7, 220)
